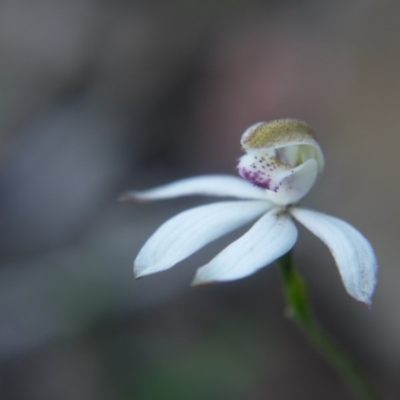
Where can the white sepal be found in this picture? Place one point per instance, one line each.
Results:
(191, 230)
(207, 185)
(270, 237)
(352, 252)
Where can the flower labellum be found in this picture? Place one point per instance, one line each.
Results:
(281, 164)
(283, 158)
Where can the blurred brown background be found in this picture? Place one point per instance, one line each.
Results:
(97, 97)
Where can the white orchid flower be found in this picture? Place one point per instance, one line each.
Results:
(281, 164)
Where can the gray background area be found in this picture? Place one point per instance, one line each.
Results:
(98, 97)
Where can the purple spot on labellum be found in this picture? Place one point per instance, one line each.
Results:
(257, 179)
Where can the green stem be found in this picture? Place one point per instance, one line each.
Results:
(296, 296)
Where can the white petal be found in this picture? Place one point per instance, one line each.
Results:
(191, 230)
(296, 183)
(353, 253)
(269, 238)
(209, 185)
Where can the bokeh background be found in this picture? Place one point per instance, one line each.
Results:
(100, 96)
